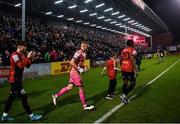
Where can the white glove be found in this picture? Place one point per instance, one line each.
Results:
(81, 70)
(85, 69)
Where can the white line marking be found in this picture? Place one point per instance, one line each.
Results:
(116, 108)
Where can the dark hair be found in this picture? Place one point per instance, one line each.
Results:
(84, 41)
(112, 54)
(22, 43)
(129, 42)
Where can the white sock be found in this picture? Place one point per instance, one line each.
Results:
(31, 115)
(84, 105)
(5, 114)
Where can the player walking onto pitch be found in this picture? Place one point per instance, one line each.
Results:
(18, 62)
(128, 69)
(111, 68)
(77, 68)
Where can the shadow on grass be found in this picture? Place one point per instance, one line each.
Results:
(140, 91)
(31, 94)
(69, 99)
(96, 99)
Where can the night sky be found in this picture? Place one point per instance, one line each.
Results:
(169, 12)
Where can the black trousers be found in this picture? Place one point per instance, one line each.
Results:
(112, 86)
(17, 90)
(128, 76)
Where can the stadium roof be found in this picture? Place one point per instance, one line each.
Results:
(110, 15)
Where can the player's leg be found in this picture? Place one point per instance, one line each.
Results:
(8, 105)
(82, 96)
(62, 92)
(110, 90)
(83, 99)
(132, 82)
(125, 87)
(114, 87)
(25, 104)
(12, 95)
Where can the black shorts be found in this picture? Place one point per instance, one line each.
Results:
(17, 88)
(128, 76)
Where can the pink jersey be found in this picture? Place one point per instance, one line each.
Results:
(75, 77)
(79, 58)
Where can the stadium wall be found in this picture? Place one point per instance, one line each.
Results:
(164, 39)
(40, 69)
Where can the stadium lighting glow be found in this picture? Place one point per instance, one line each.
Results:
(69, 19)
(137, 31)
(144, 28)
(113, 31)
(99, 27)
(122, 26)
(101, 17)
(115, 13)
(138, 25)
(79, 21)
(107, 10)
(87, 23)
(60, 16)
(126, 19)
(73, 6)
(107, 20)
(108, 29)
(100, 5)
(114, 22)
(87, 1)
(104, 28)
(93, 25)
(121, 16)
(85, 10)
(48, 13)
(141, 26)
(135, 23)
(131, 21)
(118, 24)
(93, 14)
(17, 5)
(59, 1)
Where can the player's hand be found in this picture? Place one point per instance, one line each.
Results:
(34, 54)
(30, 55)
(81, 70)
(85, 68)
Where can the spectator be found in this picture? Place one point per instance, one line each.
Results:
(54, 55)
(66, 38)
(6, 58)
(47, 57)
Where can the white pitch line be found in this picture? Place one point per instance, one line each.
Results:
(116, 108)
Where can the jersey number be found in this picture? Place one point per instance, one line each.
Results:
(125, 55)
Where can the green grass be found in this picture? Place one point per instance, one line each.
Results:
(160, 102)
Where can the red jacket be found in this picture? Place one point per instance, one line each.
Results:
(18, 62)
(110, 69)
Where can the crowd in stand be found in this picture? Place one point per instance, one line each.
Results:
(55, 43)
